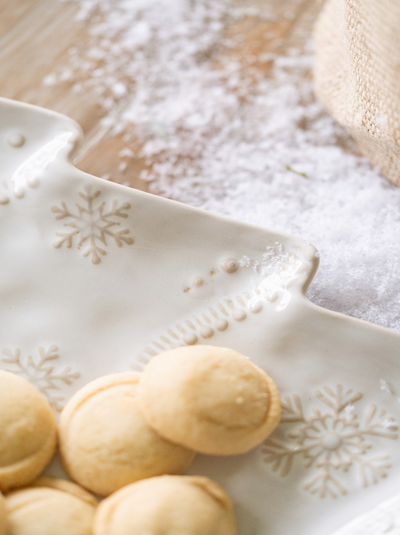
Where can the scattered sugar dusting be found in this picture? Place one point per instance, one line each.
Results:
(272, 259)
(221, 133)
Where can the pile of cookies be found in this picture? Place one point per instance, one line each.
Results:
(119, 437)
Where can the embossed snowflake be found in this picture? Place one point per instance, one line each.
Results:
(92, 224)
(330, 442)
(40, 372)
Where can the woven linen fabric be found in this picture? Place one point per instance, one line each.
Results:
(357, 74)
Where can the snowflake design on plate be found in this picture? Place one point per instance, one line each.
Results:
(330, 441)
(40, 372)
(92, 224)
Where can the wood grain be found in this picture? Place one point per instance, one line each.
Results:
(36, 35)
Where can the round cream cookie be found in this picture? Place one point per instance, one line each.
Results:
(3, 516)
(105, 443)
(28, 431)
(49, 507)
(210, 399)
(167, 505)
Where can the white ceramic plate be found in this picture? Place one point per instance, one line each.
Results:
(96, 278)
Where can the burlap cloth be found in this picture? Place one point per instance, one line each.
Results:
(357, 73)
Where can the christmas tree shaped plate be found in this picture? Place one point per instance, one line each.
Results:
(97, 278)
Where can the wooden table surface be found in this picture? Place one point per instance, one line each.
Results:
(36, 35)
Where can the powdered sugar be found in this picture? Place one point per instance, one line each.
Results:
(219, 132)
